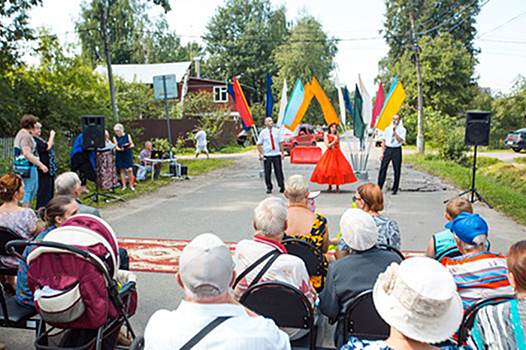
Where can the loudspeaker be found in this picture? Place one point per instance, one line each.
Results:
(93, 131)
(477, 128)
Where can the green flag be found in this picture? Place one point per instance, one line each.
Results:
(357, 120)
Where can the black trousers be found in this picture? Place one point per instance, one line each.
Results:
(45, 188)
(278, 170)
(391, 155)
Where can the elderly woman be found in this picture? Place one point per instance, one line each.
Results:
(46, 153)
(124, 157)
(369, 198)
(502, 326)
(366, 262)
(304, 224)
(418, 299)
(26, 162)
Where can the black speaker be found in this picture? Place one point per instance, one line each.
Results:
(93, 131)
(477, 128)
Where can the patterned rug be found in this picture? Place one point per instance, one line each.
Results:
(162, 255)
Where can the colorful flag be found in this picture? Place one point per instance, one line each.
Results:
(242, 106)
(348, 103)
(378, 104)
(307, 97)
(367, 103)
(341, 102)
(231, 92)
(394, 101)
(283, 103)
(358, 124)
(328, 111)
(295, 101)
(270, 99)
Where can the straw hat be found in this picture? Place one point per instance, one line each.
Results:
(419, 298)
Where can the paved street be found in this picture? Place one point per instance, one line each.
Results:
(222, 202)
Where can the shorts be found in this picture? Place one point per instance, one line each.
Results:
(202, 149)
(31, 186)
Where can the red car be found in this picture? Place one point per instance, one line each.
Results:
(319, 133)
(304, 135)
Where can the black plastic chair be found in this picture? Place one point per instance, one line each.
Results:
(362, 321)
(13, 315)
(7, 235)
(451, 252)
(284, 304)
(392, 249)
(468, 319)
(310, 255)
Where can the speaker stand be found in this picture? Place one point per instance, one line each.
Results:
(473, 190)
(94, 197)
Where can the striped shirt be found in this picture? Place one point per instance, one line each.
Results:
(479, 275)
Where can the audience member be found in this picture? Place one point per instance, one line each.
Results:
(477, 272)
(206, 271)
(503, 326)
(124, 157)
(370, 198)
(356, 272)
(26, 162)
(418, 300)
(57, 211)
(69, 184)
(303, 223)
(46, 154)
(146, 166)
(83, 161)
(444, 241)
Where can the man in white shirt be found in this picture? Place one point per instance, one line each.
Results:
(206, 271)
(270, 148)
(392, 141)
(200, 138)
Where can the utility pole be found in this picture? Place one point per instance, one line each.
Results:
(420, 134)
(104, 7)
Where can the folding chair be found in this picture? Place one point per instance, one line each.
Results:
(284, 304)
(311, 256)
(392, 249)
(362, 321)
(468, 319)
(7, 235)
(451, 252)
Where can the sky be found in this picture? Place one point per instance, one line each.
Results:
(501, 36)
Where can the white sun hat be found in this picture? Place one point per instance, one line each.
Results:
(419, 298)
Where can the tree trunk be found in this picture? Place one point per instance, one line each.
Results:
(420, 134)
(108, 64)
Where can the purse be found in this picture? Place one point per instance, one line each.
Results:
(21, 166)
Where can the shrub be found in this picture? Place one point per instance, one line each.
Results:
(453, 147)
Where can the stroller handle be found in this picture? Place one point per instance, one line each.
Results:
(11, 247)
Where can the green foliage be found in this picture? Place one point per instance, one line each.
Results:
(453, 148)
(509, 111)
(241, 39)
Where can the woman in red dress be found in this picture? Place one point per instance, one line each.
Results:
(333, 168)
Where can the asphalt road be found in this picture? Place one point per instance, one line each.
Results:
(222, 202)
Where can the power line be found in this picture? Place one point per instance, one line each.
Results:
(503, 24)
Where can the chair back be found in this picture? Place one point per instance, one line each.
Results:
(392, 249)
(307, 252)
(451, 252)
(7, 235)
(363, 321)
(468, 320)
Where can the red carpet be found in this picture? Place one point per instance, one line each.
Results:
(162, 255)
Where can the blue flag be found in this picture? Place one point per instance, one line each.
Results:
(270, 99)
(348, 104)
(230, 90)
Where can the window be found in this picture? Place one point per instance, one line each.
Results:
(220, 94)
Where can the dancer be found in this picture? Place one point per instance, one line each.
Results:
(333, 168)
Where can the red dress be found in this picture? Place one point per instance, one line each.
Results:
(333, 168)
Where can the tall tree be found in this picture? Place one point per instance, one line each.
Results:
(241, 38)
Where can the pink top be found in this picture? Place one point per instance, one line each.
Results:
(23, 223)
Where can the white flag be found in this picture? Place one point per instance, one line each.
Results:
(367, 106)
(283, 103)
(343, 116)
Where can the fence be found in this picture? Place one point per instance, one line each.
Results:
(6, 154)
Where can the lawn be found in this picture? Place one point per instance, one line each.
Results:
(502, 184)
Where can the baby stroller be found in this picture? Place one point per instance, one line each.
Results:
(78, 290)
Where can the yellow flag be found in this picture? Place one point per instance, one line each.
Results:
(328, 111)
(307, 97)
(392, 106)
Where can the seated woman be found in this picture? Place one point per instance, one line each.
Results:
(355, 273)
(23, 221)
(419, 300)
(58, 210)
(503, 326)
(304, 224)
(370, 198)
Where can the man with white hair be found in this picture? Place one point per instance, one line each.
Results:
(69, 184)
(365, 260)
(146, 167)
(477, 272)
(206, 271)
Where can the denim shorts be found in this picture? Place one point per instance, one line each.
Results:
(31, 186)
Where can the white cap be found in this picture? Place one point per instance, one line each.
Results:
(359, 230)
(206, 261)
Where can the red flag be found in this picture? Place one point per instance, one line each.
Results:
(242, 106)
(378, 104)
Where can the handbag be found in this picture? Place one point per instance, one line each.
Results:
(21, 166)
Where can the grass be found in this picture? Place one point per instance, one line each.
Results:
(502, 184)
(235, 148)
(195, 167)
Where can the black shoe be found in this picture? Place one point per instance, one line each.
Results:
(281, 190)
(394, 193)
(269, 191)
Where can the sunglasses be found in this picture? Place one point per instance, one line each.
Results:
(354, 198)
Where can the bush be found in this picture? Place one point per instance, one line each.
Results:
(453, 147)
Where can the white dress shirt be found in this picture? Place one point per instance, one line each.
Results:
(266, 142)
(168, 330)
(390, 139)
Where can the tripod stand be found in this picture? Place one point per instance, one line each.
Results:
(473, 189)
(94, 197)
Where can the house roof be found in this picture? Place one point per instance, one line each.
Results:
(144, 73)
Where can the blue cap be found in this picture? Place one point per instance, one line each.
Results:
(467, 226)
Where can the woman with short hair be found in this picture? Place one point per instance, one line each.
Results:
(124, 157)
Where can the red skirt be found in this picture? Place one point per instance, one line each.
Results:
(333, 169)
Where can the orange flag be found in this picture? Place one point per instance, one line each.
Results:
(328, 111)
(307, 97)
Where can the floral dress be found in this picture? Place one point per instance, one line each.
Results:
(358, 344)
(24, 224)
(317, 233)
